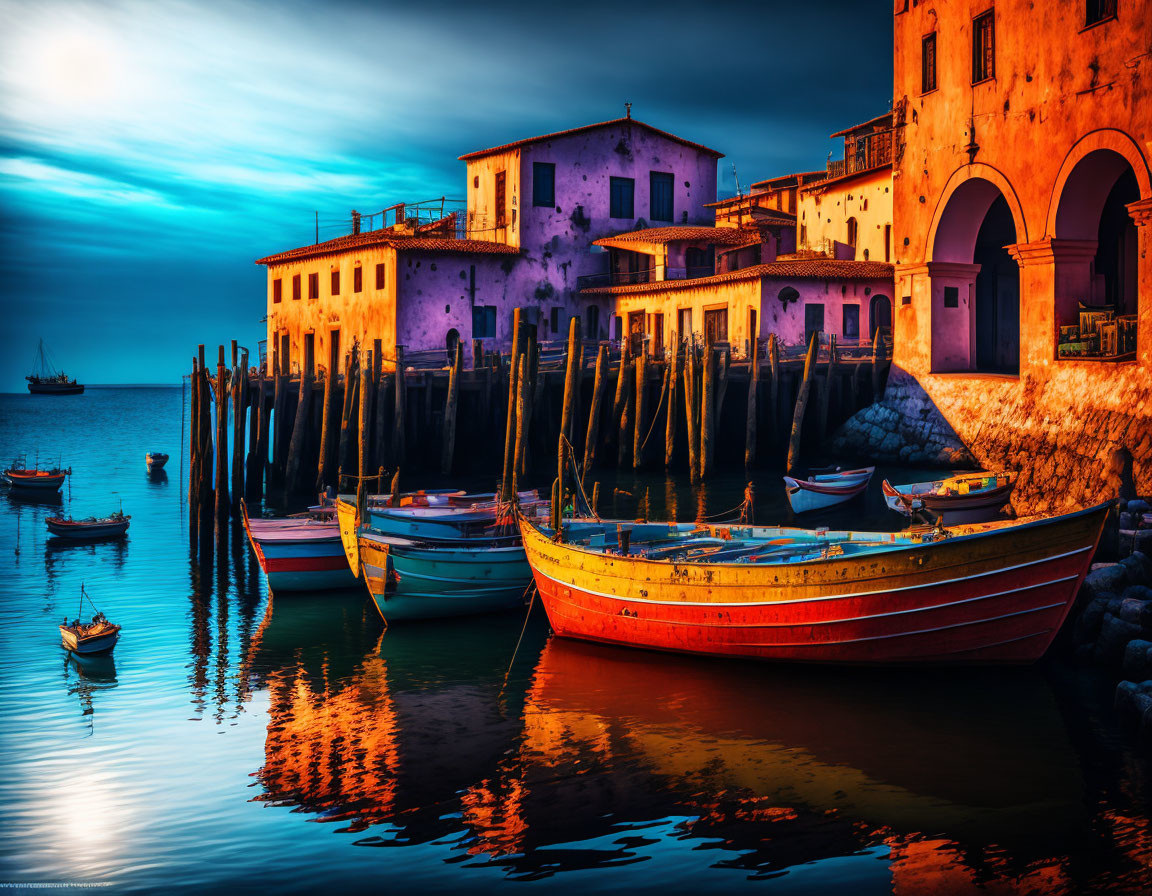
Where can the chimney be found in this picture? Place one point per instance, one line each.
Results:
(355, 222)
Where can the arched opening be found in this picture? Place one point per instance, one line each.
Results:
(879, 315)
(451, 342)
(997, 293)
(1097, 296)
(975, 282)
(851, 241)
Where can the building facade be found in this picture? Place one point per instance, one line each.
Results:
(1022, 208)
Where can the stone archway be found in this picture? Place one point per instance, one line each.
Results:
(975, 281)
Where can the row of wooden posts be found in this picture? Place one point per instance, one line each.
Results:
(363, 427)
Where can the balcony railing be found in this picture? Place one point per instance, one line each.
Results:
(616, 278)
(864, 153)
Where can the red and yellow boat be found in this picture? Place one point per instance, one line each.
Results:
(985, 593)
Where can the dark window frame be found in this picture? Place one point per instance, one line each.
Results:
(616, 206)
(381, 276)
(849, 311)
(296, 293)
(277, 291)
(335, 278)
(544, 198)
(1096, 12)
(358, 279)
(314, 285)
(500, 198)
(951, 296)
(661, 177)
(984, 58)
(928, 70)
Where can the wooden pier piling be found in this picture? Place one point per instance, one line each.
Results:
(324, 464)
(802, 403)
(506, 487)
(692, 410)
(751, 417)
(364, 421)
(523, 386)
(292, 478)
(450, 400)
(670, 416)
(398, 415)
(707, 411)
(641, 409)
(593, 432)
(774, 389)
(826, 390)
(221, 439)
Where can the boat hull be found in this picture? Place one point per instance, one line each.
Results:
(996, 595)
(802, 497)
(44, 483)
(296, 556)
(88, 646)
(415, 582)
(55, 388)
(84, 531)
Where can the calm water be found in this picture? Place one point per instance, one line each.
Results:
(236, 740)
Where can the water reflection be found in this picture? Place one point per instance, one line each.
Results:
(87, 676)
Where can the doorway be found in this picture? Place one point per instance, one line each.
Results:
(997, 293)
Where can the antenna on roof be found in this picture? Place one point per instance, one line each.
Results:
(739, 192)
(628, 110)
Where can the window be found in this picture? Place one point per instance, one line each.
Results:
(380, 275)
(335, 283)
(554, 320)
(357, 279)
(715, 325)
(887, 242)
(313, 286)
(684, 322)
(334, 352)
(618, 327)
(593, 322)
(928, 63)
(296, 288)
(951, 297)
(850, 322)
(501, 198)
(285, 355)
(983, 47)
(544, 184)
(852, 232)
(277, 290)
(658, 334)
(622, 192)
(813, 321)
(1098, 11)
(484, 322)
(661, 187)
(309, 352)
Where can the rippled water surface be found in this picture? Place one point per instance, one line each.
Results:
(233, 740)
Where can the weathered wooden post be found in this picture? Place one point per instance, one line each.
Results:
(774, 389)
(326, 432)
(641, 409)
(707, 410)
(826, 392)
(506, 486)
(692, 410)
(221, 439)
(670, 418)
(378, 422)
(570, 385)
(723, 366)
(554, 509)
(194, 454)
(365, 421)
(750, 422)
(450, 410)
(528, 377)
(477, 354)
(626, 415)
(622, 384)
(206, 489)
(262, 442)
(351, 379)
(595, 498)
(398, 411)
(593, 432)
(239, 403)
(523, 385)
(802, 403)
(299, 428)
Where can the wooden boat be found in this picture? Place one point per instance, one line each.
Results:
(87, 638)
(35, 479)
(111, 526)
(987, 593)
(299, 554)
(439, 523)
(967, 498)
(155, 460)
(48, 381)
(826, 489)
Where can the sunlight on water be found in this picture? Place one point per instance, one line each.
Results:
(235, 739)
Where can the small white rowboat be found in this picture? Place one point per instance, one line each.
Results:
(826, 489)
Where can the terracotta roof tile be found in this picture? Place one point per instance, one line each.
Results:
(589, 127)
(726, 236)
(799, 269)
(820, 185)
(399, 241)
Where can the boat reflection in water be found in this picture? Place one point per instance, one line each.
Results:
(596, 757)
(86, 677)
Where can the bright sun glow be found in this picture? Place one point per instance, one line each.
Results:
(75, 69)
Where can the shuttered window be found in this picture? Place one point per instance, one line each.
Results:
(335, 283)
(357, 279)
(484, 322)
(622, 191)
(277, 290)
(544, 184)
(928, 63)
(501, 200)
(313, 286)
(296, 287)
(983, 47)
(661, 186)
(380, 275)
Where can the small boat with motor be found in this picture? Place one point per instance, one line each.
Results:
(965, 498)
(87, 638)
(984, 593)
(155, 460)
(112, 526)
(49, 381)
(35, 479)
(826, 489)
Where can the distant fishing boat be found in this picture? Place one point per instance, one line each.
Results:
(35, 479)
(826, 489)
(987, 593)
(299, 553)
(110, 526)
(967, 498)
(155, 460)
(49, 381)
(87, 638)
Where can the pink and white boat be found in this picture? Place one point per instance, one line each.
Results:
(826, 489)
(299, 553)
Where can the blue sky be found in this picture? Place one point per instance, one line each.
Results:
(150, 151)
